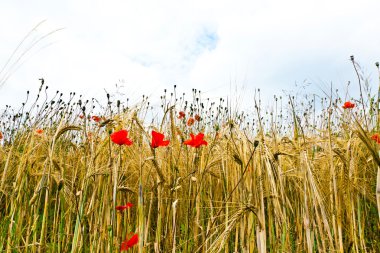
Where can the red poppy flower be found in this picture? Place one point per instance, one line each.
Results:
(196, 141)
(158, 140)
(190, 121)
(1, 135)
(181, 114)
(121, 138)
(376, 137)
(81, 116)
(39, 131)
(348, 105)
(127, 244)
(122, 208)
(197, 117)
(96, 118)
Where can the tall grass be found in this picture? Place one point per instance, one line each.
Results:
(300, 177)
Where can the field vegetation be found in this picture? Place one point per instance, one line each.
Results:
(299, 176)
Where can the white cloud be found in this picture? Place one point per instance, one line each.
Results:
(208, 45)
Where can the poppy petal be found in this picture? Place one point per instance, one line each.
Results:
(121, 138)
(125, 245)
(158, 140)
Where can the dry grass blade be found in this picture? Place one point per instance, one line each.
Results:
(66, 129)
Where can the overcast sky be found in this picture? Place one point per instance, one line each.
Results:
(215, 46)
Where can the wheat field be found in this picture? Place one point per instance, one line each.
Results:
(300, 176)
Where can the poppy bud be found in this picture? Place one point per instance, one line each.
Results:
(190, 121)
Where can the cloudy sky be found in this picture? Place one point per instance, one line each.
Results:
(220, 47)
